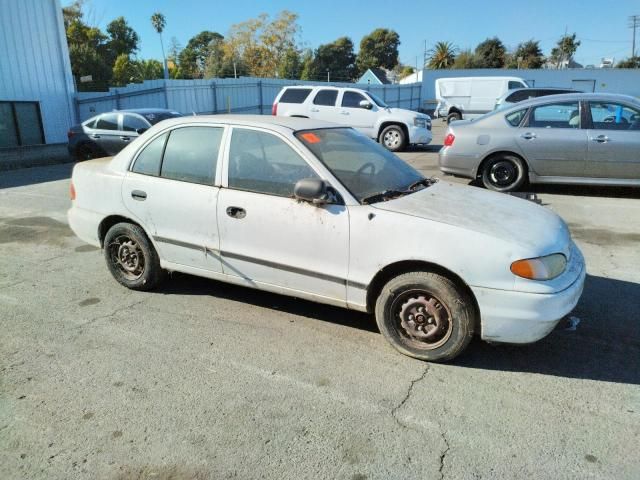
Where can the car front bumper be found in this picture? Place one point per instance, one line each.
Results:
(419, 135)
(520, 317)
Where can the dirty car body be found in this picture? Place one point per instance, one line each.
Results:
(307, 209)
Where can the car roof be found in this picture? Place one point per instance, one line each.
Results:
(142, 111)
(290, 123)
(523, 89)
(567, 97)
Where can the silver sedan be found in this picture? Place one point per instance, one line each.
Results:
(580, 138)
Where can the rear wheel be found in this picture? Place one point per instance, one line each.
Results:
(504, 173)
(85, 152)
(454, 117)
(426, 316)
(393, 138)
(131, 258)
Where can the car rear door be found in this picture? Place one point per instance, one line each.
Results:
(106, 133)
(269, 237)
(323, 105)
(614, 141)
(172, 190)
(353, 115)
(552, 140)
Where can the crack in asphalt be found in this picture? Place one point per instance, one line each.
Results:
(443, 455)
(112, 314)
(395, 409)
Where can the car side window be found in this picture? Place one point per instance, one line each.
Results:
(263, 163)
(108, 121)
(555, 115)
(515, 118)
(326, 97)
(295, 95)
(512, 85)
(352, 99)
(191, 154)
(614, 116)
(150, 158)
(131, 123)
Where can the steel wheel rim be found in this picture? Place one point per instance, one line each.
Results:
(503, 173)
(421, 319)
(126, 255)
(392, 138)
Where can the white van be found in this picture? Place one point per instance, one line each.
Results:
(469, 97)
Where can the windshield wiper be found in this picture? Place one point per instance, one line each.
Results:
(427, 182)
(382, 196)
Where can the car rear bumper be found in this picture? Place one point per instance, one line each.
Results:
(419, 135)
(460, 165)
(85, 224)
(520, 317)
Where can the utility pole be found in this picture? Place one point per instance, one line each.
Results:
(424, 58)
(562, 48)
(328, 75)
(634, 22)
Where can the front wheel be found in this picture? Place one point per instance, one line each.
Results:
(454, 117)
(426, 316)
(393, 138)
(131, 258)
(505, 173)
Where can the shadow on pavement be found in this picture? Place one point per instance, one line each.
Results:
(34, 175)
(575, 190)
(604, 347)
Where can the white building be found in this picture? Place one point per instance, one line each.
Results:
(36, 84)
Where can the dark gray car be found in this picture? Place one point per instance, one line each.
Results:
(582, 138)
(108, 133)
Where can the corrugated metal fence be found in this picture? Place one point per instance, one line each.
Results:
(241, 95)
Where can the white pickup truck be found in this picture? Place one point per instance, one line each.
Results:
(395, 128)
(318, 211)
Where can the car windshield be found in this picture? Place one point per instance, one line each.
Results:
(377, 100)
(156, 117)
(370, 172)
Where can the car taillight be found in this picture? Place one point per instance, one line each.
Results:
(70, 134)
(448, 140)
(274, 109)
(72, 191)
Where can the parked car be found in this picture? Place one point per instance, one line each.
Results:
(520, 94)
(108, 133)
(579, 138)
(463, 98)
(395, 128)
(318, 211)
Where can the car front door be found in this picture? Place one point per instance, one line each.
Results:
(131, 125)
(267, 236)
(552, 140)
(106, 133)
(171, 189)
(614, 141)
(323, 105)
(356, 116)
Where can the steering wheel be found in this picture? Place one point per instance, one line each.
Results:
(612, 119)
(368, 165)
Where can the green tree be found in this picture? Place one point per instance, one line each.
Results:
(405, 71)
(308, 71)
(378, 49)
(217, 65)
(337, 58)
(442, 55)
(527, 55)
(562, 54)
(464, 60)
(149, 70)
(125, 71)
(193, 58)
(159, 21)
(290, 65)
(490, 53)
(631, 62)
(123, 40)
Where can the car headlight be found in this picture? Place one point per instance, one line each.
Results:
(541, 268)
(420, 122)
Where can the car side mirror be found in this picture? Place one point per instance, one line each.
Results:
(366, 104)
(140, 131)
(313, 190)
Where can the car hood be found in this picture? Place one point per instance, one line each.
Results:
(515, 220)
(408, 114)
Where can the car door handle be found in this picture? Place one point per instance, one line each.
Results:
(95, 135)
(600, 139)
(126, 139)
(236, 212)
(315, 109)
(344, 113)
(528, 136)
(139, 195)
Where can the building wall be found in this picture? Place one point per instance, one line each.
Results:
(610, 80)
(35, 62)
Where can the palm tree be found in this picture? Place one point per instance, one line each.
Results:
(159, 21)
(442, 55)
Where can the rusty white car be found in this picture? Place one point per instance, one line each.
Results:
(312, 210)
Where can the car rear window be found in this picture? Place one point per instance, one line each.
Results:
(156, 117)
(295, 95)
(515, 118)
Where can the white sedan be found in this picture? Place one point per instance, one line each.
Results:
(316, 211)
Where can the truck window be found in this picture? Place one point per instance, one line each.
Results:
(295, 95)
(326, 97)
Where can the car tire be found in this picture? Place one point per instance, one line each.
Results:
(504, 173)
(454, 117)
(426, 316)
(131, 258)
(84, 152)
(393, 138)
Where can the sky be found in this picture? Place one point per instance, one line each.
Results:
(601, 25)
